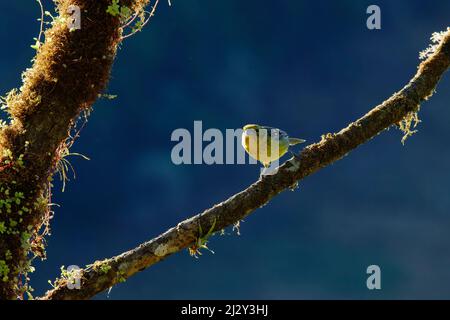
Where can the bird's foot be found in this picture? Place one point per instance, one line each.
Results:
(295, 155)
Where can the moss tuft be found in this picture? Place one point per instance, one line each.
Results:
(408, 124)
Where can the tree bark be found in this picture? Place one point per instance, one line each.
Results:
(69, 71)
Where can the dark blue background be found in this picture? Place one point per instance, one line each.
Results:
(308, 67)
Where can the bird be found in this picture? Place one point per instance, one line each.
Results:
(257, 149)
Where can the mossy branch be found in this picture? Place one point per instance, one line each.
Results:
(103, 275)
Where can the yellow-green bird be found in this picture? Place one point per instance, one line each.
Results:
(257, 149)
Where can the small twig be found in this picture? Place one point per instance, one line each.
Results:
(151, 14)
(130, 21)
(41, 30)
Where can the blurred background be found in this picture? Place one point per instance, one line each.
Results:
(308, 67)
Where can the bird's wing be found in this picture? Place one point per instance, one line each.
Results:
(276, 132)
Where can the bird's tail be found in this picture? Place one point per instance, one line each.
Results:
(294, 141)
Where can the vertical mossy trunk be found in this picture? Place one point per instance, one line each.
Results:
(69, 71)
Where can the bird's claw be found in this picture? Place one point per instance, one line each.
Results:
(295, 155)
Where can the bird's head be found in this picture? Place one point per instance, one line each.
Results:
(255, 127)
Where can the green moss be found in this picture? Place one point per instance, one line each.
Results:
(25, 237)
(12, 223)
(4, 270)
(114, 8)
(125, 12)
(104, 268)
(121, 277)
(202, 241)
(100, 266)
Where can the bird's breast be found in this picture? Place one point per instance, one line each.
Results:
(271, 149)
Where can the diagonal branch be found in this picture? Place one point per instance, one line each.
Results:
(400, 106)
